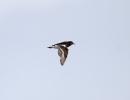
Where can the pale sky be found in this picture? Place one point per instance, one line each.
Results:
(97, 67)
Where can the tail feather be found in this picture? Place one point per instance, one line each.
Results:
(49, 47)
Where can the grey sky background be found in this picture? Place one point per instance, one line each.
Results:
(97, 67)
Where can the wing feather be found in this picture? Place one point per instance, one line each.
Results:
(63, 52)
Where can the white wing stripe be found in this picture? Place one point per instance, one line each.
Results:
(62, 52)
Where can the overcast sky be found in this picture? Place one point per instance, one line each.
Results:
(97, 67)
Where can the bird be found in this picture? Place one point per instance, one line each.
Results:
(62, 50)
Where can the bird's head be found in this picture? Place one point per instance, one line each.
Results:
(70, 43)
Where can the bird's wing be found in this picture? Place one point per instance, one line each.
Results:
(63, 52)
(61, 43)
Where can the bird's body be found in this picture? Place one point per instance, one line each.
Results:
(62, 50)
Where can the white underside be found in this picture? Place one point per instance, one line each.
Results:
(64, 45)
(55, 47)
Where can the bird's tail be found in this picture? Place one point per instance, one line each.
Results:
(50, 47)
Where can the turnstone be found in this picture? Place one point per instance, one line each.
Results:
(62, 50)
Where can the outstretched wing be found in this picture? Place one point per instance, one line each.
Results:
(66, 43)
(61, 43)
(63, 52)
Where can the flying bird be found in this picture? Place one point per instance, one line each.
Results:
(62, 50)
